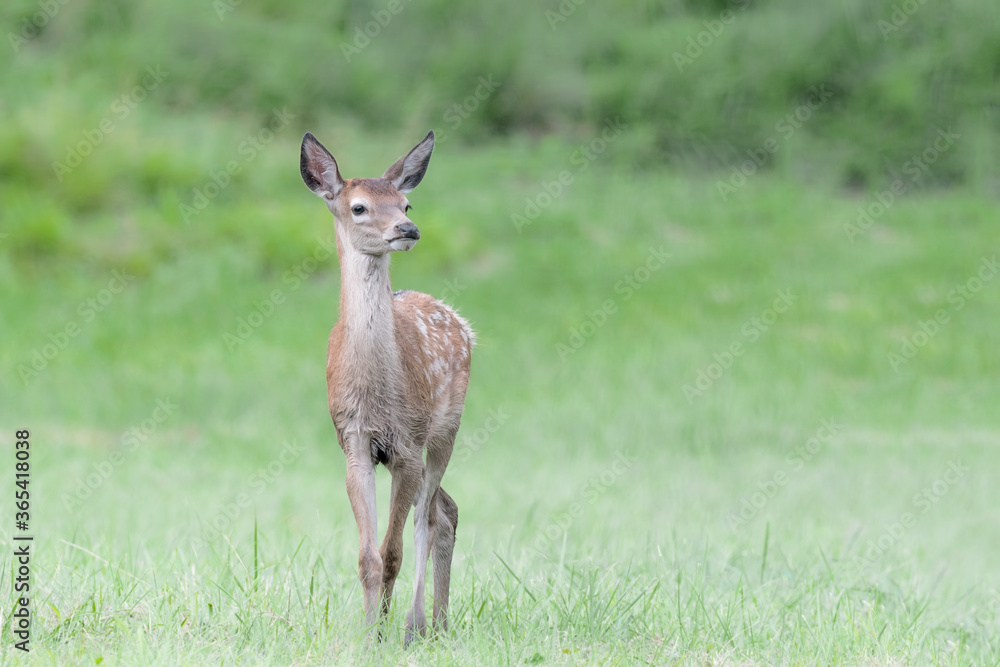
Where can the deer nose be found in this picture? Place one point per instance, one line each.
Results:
(408, 230)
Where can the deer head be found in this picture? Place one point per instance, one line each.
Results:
(370, 213)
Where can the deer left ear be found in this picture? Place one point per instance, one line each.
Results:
(407, 173)
(319, 169)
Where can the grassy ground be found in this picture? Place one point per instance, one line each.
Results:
(686, 437)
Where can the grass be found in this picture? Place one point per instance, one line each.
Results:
(188, 493)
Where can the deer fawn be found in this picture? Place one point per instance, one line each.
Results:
(397, 370)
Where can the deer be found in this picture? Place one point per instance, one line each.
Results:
(397, 372)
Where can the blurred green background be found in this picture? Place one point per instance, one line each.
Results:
(689, 235)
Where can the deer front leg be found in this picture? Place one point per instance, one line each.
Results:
(406, 474)
(361, 491)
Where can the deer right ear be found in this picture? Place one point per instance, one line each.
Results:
(319, 169)
(409, 170)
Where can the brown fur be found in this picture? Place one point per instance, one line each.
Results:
(397, 372)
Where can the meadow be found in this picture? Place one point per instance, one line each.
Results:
(734, 401)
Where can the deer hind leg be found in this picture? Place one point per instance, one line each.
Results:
(424, 521)
(444, 546)
(406, 476)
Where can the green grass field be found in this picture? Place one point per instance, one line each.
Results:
(630, 490)
(732, 265)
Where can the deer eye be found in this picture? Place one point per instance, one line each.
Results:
(407, 209)
(358, 209)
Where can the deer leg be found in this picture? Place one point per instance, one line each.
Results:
(361, 491)
(437, 461)
(406, 476)
(444, 546)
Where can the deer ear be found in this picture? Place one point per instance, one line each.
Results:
(319, 169)
(407, 173)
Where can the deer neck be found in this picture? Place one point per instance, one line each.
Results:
(366, 313)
